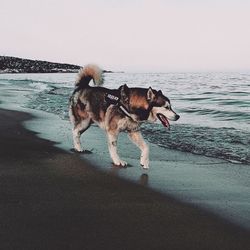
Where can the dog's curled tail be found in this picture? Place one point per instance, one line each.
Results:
(87, 73)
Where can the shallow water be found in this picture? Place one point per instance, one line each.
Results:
(214, 107)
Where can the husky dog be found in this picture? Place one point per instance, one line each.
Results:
(115, 110)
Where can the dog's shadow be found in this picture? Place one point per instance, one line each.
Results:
(143, 179)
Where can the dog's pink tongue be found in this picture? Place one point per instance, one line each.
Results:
(164, 121)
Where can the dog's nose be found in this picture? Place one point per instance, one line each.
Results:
(177, 117)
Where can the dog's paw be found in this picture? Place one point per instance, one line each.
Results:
(75, 150)
(145, 163)
(120, 163)
(145, 166)
(81, 151)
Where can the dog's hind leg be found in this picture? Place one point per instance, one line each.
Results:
(77, 131)
(138, 140)
(112, 145)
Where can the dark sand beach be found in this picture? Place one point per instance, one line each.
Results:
(51, 199)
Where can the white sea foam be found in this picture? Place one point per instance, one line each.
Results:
(40, 86)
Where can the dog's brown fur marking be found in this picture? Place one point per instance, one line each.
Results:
(138, 102)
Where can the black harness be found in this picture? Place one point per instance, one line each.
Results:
(112, 99)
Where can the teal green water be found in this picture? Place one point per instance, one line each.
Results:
(214, 107)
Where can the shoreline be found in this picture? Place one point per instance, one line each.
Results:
(51, 199)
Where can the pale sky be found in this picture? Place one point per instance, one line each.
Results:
(130, 35)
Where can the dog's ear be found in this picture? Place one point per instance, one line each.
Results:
(124, 90)
(159, 93)
(150, 94)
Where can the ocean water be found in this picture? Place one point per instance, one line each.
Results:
(214, 107)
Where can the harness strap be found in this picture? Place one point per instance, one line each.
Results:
(125, 111)
(115, 100)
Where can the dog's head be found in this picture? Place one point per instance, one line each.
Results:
(148, 105)
(161, 108)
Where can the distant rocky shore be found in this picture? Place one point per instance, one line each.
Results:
(18, 65)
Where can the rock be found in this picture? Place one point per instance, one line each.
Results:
(18, 65)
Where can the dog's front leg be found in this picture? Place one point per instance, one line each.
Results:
(138, 140)
(112, 144)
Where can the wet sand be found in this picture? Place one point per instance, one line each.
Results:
(51, 199)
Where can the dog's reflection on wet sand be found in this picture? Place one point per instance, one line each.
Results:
(143, 179)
